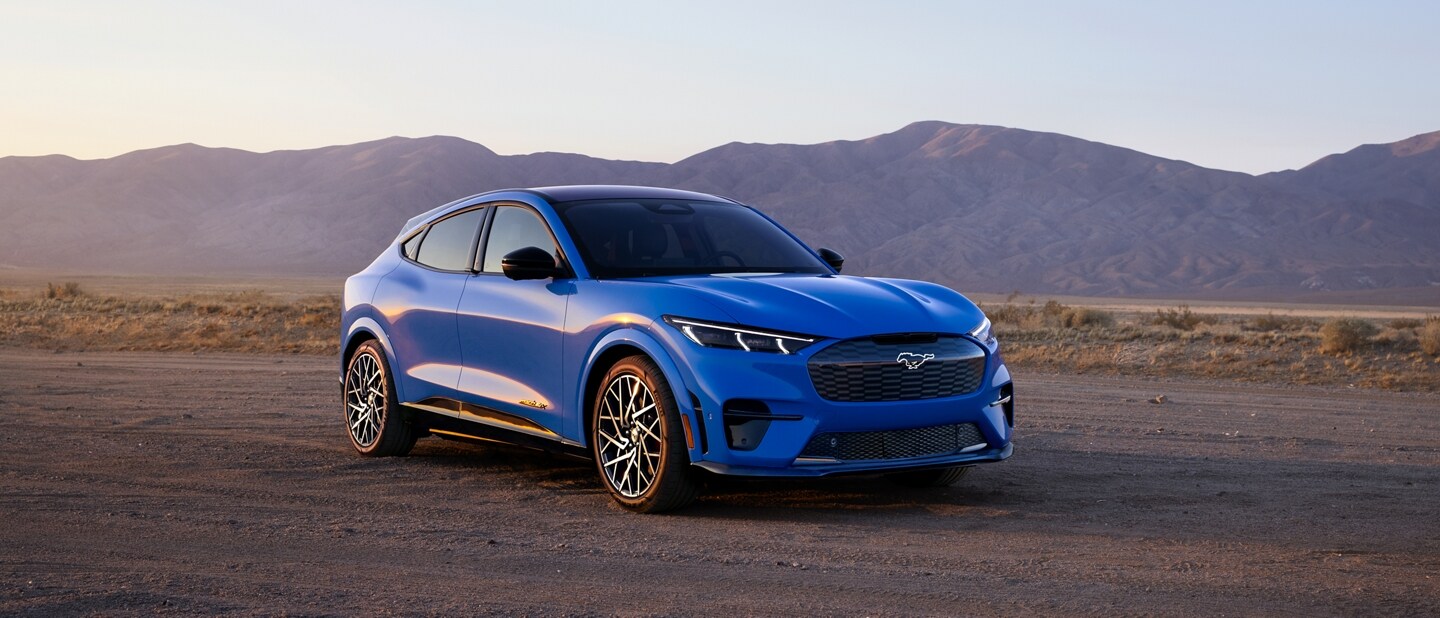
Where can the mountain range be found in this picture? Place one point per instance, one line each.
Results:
(980, 208)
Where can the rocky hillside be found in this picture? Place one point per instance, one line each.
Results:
(981, 208)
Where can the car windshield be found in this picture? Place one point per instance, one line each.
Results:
(654, 237)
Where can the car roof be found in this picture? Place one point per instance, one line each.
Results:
(570, 193)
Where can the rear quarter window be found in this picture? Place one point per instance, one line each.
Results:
(450, 242)
(411, 248)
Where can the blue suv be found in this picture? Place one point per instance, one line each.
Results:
(660, 333)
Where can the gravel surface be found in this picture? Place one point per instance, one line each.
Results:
(175, 483)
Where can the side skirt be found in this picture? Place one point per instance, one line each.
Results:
(450, 423)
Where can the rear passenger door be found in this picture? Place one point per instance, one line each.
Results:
(419, 299)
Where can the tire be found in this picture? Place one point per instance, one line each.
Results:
(637, 439)
(938, 477)
(376, 425)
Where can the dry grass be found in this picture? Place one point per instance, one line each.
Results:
(1272, 322)
(1180, 318)
(1051, 314)
(65, 318)
(1049, 337)
(1404, 323)
(1177, 342)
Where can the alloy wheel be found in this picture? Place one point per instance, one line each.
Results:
(629, 434)
(364, 399)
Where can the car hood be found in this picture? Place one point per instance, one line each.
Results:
(832, 305)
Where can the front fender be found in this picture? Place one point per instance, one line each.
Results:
(657, 352)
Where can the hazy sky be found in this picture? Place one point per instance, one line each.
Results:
(1253, 86)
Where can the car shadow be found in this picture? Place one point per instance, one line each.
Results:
(720, 495)
(1223, 498)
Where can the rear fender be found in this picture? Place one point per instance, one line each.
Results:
(363, 326)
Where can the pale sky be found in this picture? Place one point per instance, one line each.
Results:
(1252, 86)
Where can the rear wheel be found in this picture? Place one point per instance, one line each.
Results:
(638, 441)
(373, 418)
(939, 477)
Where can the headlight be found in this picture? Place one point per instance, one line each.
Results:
(984, 333)
(712, 335)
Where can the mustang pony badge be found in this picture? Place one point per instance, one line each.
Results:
(913, 361)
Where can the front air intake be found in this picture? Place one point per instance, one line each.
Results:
(746, 421)
(896, 444)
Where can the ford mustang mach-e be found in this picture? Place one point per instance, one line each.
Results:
(662, 333)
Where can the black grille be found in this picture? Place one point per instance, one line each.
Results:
(867, 370)
(896, 444)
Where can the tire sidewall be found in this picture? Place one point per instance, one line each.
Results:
(674, 457)
(370, 348)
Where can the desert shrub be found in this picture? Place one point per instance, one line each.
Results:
(244, 297)
(1394, 337)
(1430, 338)
(67, 290)
(1403, 323)
(1219, 332)
(319, 319)
(1076, 317)
(1180, 318)
(1054, 309)
(1345, 335)
(1268, 321)
(1052, 314)
(1008, 313)
(1278, 323)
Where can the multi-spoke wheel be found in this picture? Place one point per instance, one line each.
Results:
(639, 445)
(629, 435)
(372, 416)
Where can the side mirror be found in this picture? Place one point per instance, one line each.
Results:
(529, 263)
(835, 260)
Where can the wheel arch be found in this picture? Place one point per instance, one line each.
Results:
(621, 344)
(366, 329)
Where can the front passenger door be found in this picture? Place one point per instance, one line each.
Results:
(511, 331)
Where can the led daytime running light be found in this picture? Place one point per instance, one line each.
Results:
(710, 334)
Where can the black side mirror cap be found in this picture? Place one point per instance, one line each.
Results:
(831, 257)
(529, 263)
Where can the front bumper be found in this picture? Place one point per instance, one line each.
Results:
(781, 386)
(863, 467)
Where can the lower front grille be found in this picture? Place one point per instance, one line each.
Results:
(895, 444)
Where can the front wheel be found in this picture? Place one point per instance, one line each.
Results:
(638, 442)
(373, 419)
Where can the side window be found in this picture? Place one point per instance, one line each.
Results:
(514, 228)
(447, 245)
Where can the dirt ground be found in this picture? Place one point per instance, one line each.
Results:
(151, 483)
